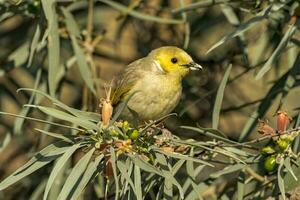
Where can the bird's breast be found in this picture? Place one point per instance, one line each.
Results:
(156, 96)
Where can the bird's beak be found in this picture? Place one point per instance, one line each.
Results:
(193, 66)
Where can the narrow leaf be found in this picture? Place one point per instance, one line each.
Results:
(58, 166)
(219, 99)
(42, 158)
(89, 173)
(275, 55)
(75, 176)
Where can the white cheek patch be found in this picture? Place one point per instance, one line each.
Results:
(158, 66)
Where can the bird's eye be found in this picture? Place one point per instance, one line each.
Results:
(174, 60)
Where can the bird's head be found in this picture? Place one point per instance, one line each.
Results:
(173, 60)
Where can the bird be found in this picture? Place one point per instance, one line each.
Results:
(152, 86)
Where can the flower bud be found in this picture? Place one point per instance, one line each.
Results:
(107, 111)
(283, 121)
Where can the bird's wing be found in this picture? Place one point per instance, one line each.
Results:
(126, 80)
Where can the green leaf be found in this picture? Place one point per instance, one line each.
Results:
(41, 121)
(219, 99)
(227, 170)
(113, 163)
(91, 170)
(280, 180)
(34, 44)
(75, 176)
(289, 180)
(243, 27)
(91, 116)
(83, 66)
(53, 43)
(5, 141)
(279, 49)
(145, 165)
(241, 186)
(287, 164)
(67, 117)
(42, 158)
(56, 135)
(136, 14)
(124, 170)
(20, 121)
(58, 166)
(138, 182)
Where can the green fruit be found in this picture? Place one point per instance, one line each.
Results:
(270, 163)
(134, 134)
(267, 150)
(282, 143)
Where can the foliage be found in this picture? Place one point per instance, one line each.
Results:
(115, 160)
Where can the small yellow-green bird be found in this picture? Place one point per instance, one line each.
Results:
(153, 83)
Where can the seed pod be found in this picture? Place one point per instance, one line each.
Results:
(108, 169)
(265, 129)
(107, 111)
(283, 121)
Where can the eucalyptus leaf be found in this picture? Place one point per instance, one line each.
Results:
(67, 117)
(75, 176)
(42, 158)
(83, 66)
(279, 49)
(91, 170)
(219, 99)
(53, 43)
(58, 166)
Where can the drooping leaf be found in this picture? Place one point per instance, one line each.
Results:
(67, 117)
(91, 116)
(20, 121)
(42, 158)
(243, 27)
(56, 135)
(34, 44)
(275, 55)
(219, 99)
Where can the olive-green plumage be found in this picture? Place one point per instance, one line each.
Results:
(153, 83)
